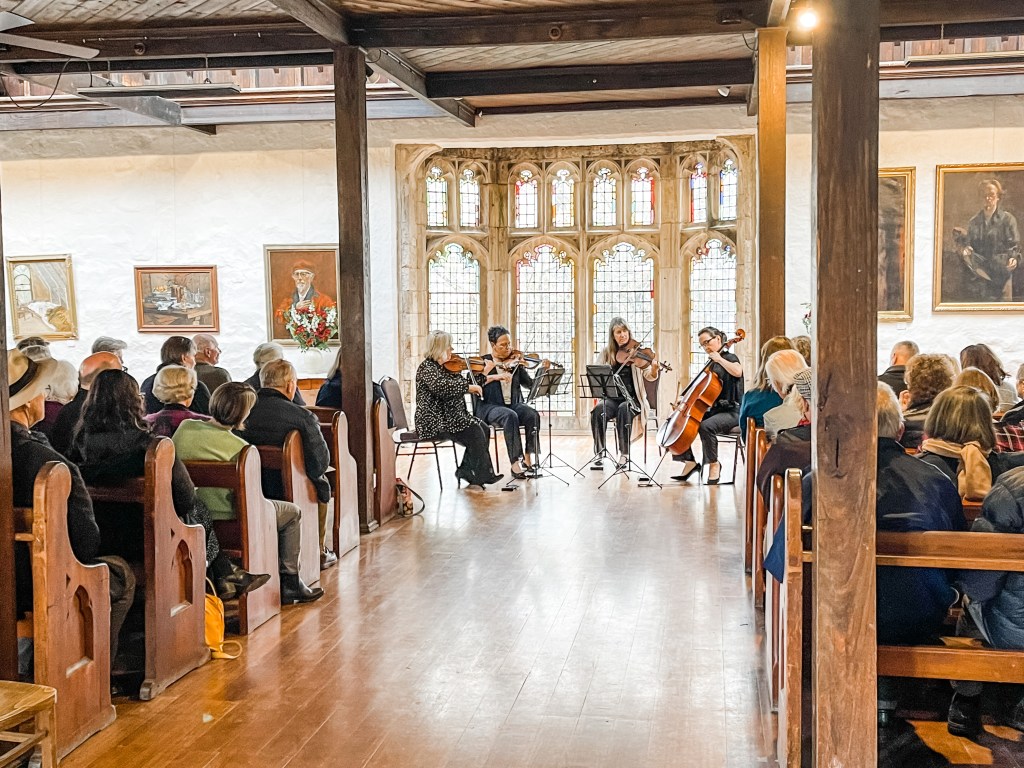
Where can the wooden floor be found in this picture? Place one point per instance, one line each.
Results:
(549, 626)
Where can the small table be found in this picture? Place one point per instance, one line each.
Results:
(22, 704)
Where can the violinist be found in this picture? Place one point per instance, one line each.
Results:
(441, 411)
(502, 404)
(629, 426)
(723, 416)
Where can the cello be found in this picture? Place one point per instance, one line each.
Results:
(679, 431)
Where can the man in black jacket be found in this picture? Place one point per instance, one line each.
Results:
(270, 421)
(893, 375)
(64, 426)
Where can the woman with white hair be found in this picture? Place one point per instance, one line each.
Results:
(268, 352)
(792, 447)
(62, 390)
(174, 386)
(781, 370)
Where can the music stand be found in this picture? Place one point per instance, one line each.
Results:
(546, 384)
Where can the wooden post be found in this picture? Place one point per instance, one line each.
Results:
(771, 185)
(845, 130)
(354, 267)
(8, 610)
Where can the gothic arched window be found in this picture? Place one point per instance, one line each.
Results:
(453, 290)
(712, 295)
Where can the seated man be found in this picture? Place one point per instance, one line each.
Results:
(29, 452)
(64, 426)
(270, 421)
(902, 351)
(502, 402)
(207, 357)
(265, 353)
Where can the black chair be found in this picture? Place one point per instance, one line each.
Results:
(405, 436)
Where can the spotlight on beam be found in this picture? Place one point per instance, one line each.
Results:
(807, 19)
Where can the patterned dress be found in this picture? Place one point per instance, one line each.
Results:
(441, 401)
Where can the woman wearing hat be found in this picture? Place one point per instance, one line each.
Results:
(792, 447)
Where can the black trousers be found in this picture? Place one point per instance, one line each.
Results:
(618, 411)
(122, 594)
(509, 418)
(711, 427)
(476, 464)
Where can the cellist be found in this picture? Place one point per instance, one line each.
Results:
(723, 416)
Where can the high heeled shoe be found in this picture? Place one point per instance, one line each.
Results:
(711, 468)
(684, 476)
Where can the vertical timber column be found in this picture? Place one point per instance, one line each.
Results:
(771, 192)
(354, 267)
(845, 131)
(8, 616)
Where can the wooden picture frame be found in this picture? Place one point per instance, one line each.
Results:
(280, 262)
(41, 292)
(977, 262)
(896, 244)
(173, 299)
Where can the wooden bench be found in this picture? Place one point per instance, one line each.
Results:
(174, 572)
(772, 599)
(343, 480)
(70, 623)
(251, 536)
(750, 491)
(760, 532)
(22, 706)
(384, 460)
(290, 461)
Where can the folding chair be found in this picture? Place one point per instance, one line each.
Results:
(403, 435)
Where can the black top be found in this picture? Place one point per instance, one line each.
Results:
(732, 386)
(329, 395)
(440, 401)
(200, 403)
(492, 392)
(893, 376)
(63, 428)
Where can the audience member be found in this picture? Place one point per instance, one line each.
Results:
(902, 351)
(1015, 415)
(925, 376)
(792, 447)
(802, 344)
(977, 378)
(36, 352)
(271, 419)
(762, 397)
(981, 356)
(213, 441)
(329, 395)
(62, 390)
(32, 341)
(781, 368)
(63, 428)
(111, 345)
(207, 357)
(175, 387)
(177, 350)
(265, 353)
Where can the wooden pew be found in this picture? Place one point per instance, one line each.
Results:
(174, 572)
(760, 525)
(290, 461)
(70, 613)
(772, 599)
(334, 426)
(750, 491)
(384, 493)
(791, 636)
(252, 536)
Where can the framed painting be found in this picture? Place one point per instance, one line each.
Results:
(170, 299)
(977, 237)
(895, 244)
(299, 277)
(42, 294)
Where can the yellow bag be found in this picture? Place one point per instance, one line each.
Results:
(215, 628)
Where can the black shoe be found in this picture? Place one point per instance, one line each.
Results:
(238, 583)
(327, 559)
(689, 473)
(492, 479)
(964, 717)
(294, 591)
(598, 465)
(521, 474)
(532, 472)
(1016, 719)
(713, 480)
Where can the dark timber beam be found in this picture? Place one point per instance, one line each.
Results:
(318, 16)
(844, 116)
(181, 64)
(402, 73)
(597, 106)
(777, 12)
(8, 606)
(704, 17)
(615, 77)
(925, 12)
(354, 267)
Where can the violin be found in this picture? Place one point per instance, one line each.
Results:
(679, 430)
(641, 357)
(517, 358)
(471, 363)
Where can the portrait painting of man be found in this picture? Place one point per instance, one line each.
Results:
(298, 277)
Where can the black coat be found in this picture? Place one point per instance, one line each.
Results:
(893, 376)
(200, 403)
(791, 450)
(63, 429)
(270, 421)
(329, 394)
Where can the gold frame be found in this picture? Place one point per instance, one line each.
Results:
(140, 313)
(268, 250)
(905, 314)
(937, 303)
(64, 258)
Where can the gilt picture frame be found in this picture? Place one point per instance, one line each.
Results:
(311, 270)
(172, 299)
(896, 244)
(41, 290)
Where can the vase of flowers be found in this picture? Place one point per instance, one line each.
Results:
(312, 328)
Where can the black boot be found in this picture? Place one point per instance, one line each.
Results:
(294, 591)
(964, 716)
(237, 582)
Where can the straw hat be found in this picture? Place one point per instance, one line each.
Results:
(27, 378)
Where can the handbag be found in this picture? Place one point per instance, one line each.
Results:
(404, 495)
(215, 628)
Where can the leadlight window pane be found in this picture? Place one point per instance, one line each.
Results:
(642, 198)
(526, 201)
(563, 202)
(699, 194)
(728, 190)
(437, 198)
(453, 288)
(546, 316)
(469, 199)
(23, 284)
(624, 287)
(604, 199)
(712, 295)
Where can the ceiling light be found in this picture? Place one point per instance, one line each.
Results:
(807, 19)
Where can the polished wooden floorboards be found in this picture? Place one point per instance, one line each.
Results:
(549, 626)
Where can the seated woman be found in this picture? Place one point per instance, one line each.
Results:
(982, 357)
(802, 344)
(174, 386)
(441, 411)
(62, 390)
(781, 369)
(329, 395)
(177, 350)
(792, 447)
(110, 446)
(925, 376)
(762, 397)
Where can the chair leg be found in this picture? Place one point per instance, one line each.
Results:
(735, 461)
(437, 461)
(412, 457)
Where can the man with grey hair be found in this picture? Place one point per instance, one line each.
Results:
(110, 344)
(265, 353)
(207, 357)
(271, 419)
(893, 375)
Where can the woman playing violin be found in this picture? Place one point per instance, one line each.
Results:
(629, 426)
(723, 416)
(441, 411)
(502, 404)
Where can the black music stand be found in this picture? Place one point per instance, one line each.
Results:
(546, 384)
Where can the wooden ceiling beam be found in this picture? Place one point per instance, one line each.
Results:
(318, 16)
(596, 106)
(612, 77)
(705, 17)
(777, 12)
(402, 73)
(177, 64)
(926, 12)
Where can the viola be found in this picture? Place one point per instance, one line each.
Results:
(679, 430)
(641, 357)
(471, 363)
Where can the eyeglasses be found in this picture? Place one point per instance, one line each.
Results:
(124, 368)
(704, 343)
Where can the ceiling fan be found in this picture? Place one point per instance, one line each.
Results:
(10, 20)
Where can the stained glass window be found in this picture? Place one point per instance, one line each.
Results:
(699, 194)
(563, 199)
(546, 315)
(437, 198)
(728, 194)
(642, 197)
(453, 288)
(527, 203)
(469, 199)
(624, 287)
(712, 295)
(604, 199)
